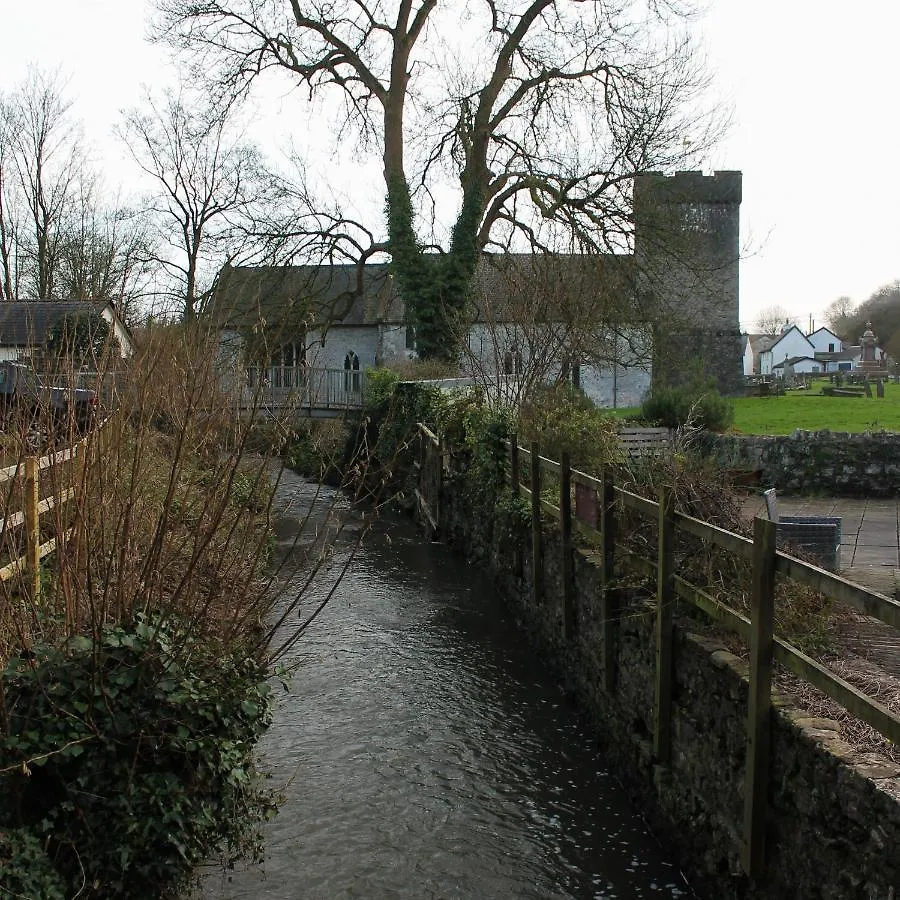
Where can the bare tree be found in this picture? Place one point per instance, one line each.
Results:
(106, 253)
(542, 317)
(49, 161)
(539, 117)
(208, 180)
(9, 208)
(772, 319)
(840, 314)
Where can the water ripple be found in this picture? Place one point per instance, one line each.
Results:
(425, 754)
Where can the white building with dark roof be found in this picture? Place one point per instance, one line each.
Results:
(26, 324)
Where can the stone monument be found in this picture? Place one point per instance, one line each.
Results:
(868, 364)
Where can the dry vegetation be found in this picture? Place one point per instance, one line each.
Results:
(171, 512)
(803, 616)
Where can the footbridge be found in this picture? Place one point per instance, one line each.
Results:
(298, 391)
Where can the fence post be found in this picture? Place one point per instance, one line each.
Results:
(565, 533)
(32, 528)
(438, 450)
(608, 605)
(514, 467)
(537, 550)
(759, 714)
(665, 600)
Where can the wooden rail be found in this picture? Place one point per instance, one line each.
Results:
(33, 508)
(758, 630)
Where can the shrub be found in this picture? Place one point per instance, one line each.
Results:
(129, 757)
(674, 407)
(561, 418)
(25, 869)
(380, 384)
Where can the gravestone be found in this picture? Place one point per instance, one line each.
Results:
(771, 504)
(879, 389)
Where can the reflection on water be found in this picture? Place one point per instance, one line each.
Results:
(425, 754)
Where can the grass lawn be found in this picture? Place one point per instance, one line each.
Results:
(811, 411)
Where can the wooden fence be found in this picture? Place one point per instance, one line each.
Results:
(598, 502)
(34, 507)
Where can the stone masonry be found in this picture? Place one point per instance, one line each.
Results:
(833, 828)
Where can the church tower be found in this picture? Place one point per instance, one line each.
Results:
(687, 250)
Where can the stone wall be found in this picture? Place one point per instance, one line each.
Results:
(817, 462)
(834, 822)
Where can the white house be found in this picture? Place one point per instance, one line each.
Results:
(825, 341)
(791, 343)
(845, 360)
(26, 324)
(800, 365)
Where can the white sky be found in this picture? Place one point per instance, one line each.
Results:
(813, 86)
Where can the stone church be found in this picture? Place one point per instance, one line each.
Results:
(612, 323)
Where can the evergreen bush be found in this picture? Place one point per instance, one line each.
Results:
(128, 759)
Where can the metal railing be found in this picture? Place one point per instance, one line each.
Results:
(302, 387)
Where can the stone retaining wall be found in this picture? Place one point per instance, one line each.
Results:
(817, 462)
(834, 822)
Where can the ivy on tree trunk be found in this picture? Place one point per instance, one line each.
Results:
(434, 286)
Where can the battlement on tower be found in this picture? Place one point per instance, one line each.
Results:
(687, 187)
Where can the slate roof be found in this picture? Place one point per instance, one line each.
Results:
(26, 323)
(794, 360)
(839, 355)
(509, 285)
(249, 296)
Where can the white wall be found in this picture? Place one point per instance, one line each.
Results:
(804, 367)
(825, 341)
(794, 343)
(748, 359)
(608, 385)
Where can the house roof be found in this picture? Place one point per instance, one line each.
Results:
(27, 323)
(505, 286)
(826, 330)
(247, 296)
(838, 355)
(794, 360)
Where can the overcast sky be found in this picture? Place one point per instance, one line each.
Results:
(814, 92)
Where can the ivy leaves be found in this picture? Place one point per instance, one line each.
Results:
(128, 758)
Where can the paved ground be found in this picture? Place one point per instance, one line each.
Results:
(870, 535)
(870, 556)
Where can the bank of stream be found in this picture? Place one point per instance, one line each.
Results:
(425, 753)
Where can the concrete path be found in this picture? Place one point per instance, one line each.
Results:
(870, 535)
(870, 556)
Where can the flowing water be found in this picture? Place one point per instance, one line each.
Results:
(425, 753)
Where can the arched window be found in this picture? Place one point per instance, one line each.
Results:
(351, 372)
(512, 361)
